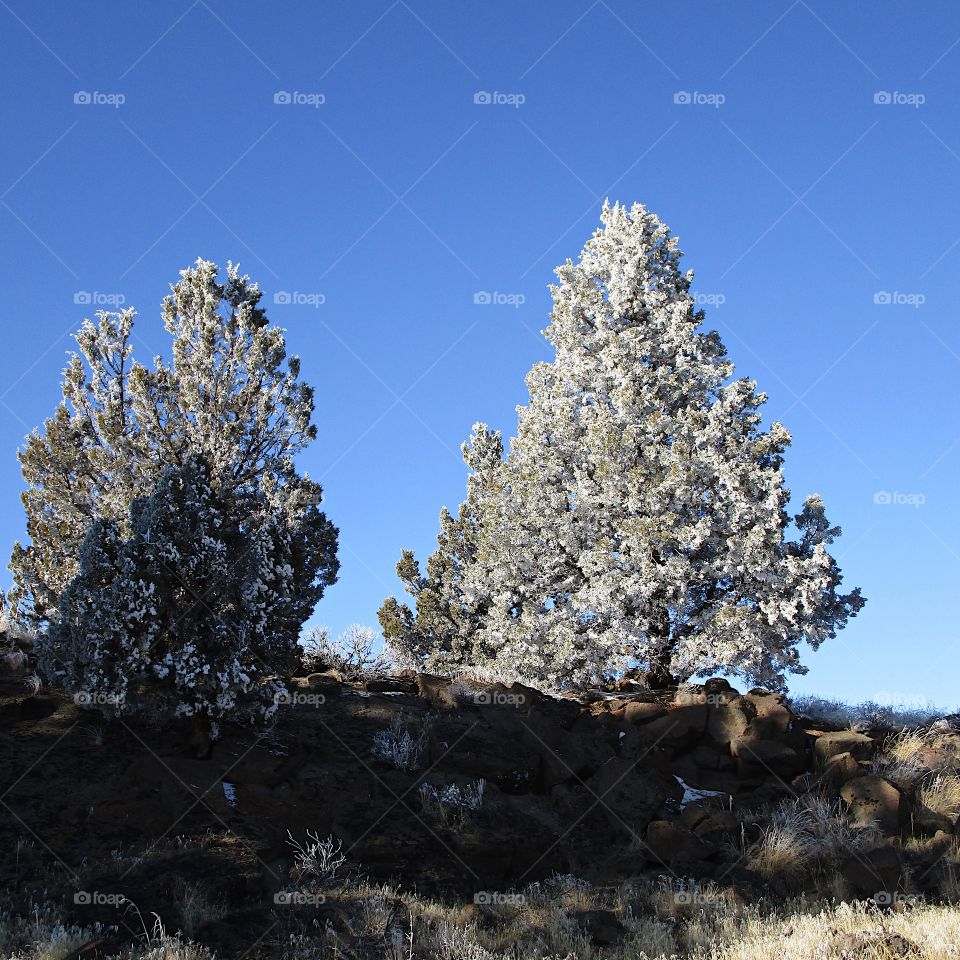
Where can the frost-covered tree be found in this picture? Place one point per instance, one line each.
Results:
(230, 394)
(443, 632)
(184, 615)
(641, 515)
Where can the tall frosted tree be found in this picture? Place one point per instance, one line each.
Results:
(447, 625)
(229, 396)
(641, 517)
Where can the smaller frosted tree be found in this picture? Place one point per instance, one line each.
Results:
(183, 616)
(444, 630)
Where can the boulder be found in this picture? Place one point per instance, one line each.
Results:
(602, 926)
(874, 801)
(840, 768)
(876, 873)
(845, 741)
(628, 796)
(728, 716)
(773, 719)
(719, 825)
(388, 683)
(673, 845)
(770, 757)
(435, 690)
(681, 726)
(509, 762)
(640, 711)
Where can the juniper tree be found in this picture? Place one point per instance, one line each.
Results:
(184, 613)
(446, 626)
(229, 395)
(641, 515)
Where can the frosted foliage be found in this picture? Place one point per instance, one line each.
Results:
(183, 615)
(641, 514)
(230, 394)
(214, 430)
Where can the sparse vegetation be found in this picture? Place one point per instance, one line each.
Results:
(397, 745)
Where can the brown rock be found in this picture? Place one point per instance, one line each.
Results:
(720, 825)
(672, 844)
(872, 800)
(680, 726)
(845, 741)
(840, 768)
(728, 716)
(774, 719)
(639, 711)
(769, 756)
(876, 873)
(602, 926)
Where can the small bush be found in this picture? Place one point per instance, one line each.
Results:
(352, 654)
(398, 746)
(316, 860)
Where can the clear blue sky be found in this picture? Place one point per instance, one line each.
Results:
(799, 201)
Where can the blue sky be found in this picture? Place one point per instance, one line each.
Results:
(807, 154)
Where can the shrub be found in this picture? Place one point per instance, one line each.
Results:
(398, 746)
(352, 654)
(188, 615)
(317, 860)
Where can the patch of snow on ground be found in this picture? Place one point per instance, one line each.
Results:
(692, 793)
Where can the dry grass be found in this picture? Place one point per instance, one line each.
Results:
(941, 794)
(542, 923)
